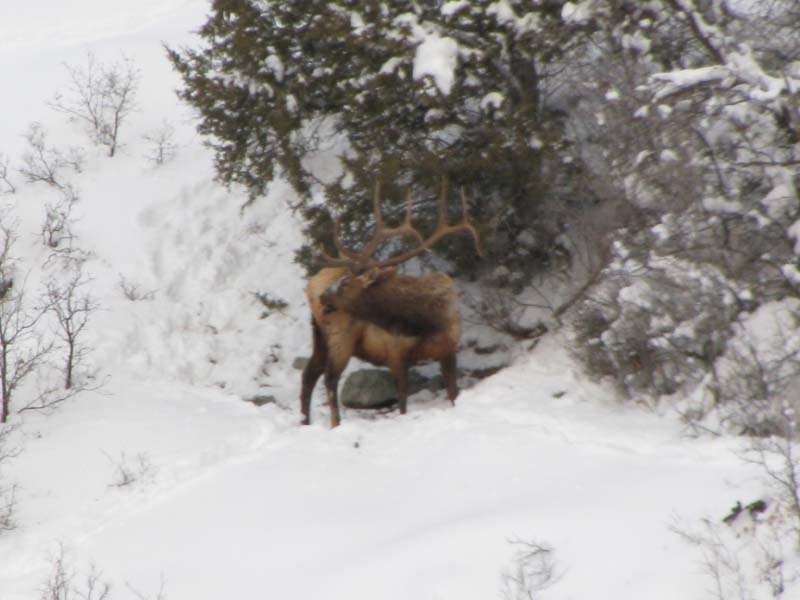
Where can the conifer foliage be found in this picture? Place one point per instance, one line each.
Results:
(408, 92)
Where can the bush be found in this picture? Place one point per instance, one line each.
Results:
(710, 162)
(657, 323)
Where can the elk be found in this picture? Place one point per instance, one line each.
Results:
(361, 306)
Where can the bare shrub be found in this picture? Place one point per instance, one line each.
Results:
(160, 594)
(8, 496)
(101, 96)
(133, 291)
(128, 471)
(162, 144)
(8, 505)
(751, 388)
(73, 307)
(62, 583)
(44, 163)
(23, 348)
(66, 582)
(57, 225)
(779, 461)
(534, 570)
(744, 558)
(711, 166)
(7, 186)
(657, 322)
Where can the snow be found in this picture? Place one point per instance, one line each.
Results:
(578, 12)
(782, 199)
(423, 506)
(391, 65)
(492, 101)
(275, 65)
(676, 81)
(637, 42)
(452, 7)
(722, 205)
(234, 501)
(437, 57)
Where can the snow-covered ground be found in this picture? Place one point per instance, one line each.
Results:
(234, 501)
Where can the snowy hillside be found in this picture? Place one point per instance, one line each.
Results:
(165, 478)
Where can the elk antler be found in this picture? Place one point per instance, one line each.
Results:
(360, 261)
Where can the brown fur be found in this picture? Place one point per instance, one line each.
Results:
(414, 306)
(382, 318)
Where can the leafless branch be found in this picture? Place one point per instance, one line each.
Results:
(133, 291)
(101, 96)
(5, 179)
(161, 595)
(43, 163)
(22, 346)
(162, 144)
(778, 460)
(60, 584)
(534, 570)
(127, 472)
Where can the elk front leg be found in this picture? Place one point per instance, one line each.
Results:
(332, 374)
(449, 375)
(312, 371)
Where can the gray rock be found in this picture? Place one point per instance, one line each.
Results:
(375, 388)
(260, 400)
(368, 388)
(300, 363)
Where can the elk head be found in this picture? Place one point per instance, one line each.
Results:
(362, 307)
(346, 292)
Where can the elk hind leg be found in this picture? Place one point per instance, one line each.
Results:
(449, 375)
(312, 371)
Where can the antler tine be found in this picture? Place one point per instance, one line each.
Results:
(442, 230)
(382, 233)
(406, 226)
(378, 235)
(345, 258)
(363, 259)
(337, 240)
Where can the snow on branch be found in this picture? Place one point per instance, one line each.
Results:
(679, 81)
(741, 70)
(438, 57)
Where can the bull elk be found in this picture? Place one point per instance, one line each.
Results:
(362, 307)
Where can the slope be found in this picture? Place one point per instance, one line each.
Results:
(165, 471)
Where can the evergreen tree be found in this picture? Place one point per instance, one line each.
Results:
(411, 93)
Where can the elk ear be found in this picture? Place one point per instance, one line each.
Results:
(376, 276)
